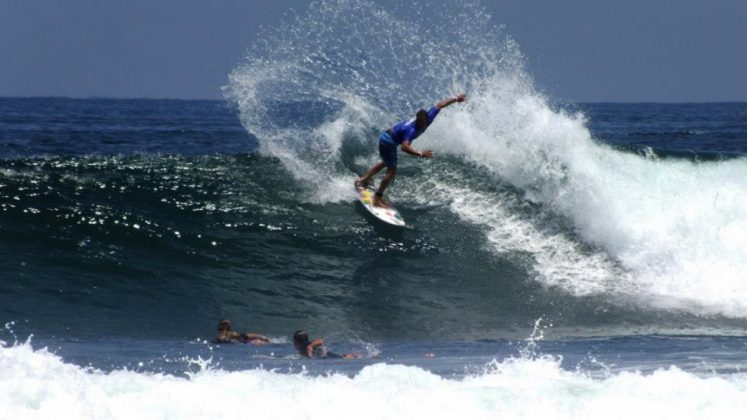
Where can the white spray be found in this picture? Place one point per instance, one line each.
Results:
(669, 233)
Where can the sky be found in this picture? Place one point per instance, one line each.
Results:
(576, 50)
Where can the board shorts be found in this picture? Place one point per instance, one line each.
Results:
(388, 150)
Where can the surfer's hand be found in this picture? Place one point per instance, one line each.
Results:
(426, 154)
(460, 98)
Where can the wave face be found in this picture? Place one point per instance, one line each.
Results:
(591, 219)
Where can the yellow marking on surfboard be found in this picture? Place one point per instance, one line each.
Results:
(366, 197)
(388, 215)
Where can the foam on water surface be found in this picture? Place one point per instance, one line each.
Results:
(38, 384)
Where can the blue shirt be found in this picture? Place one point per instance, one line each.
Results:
(406, 130)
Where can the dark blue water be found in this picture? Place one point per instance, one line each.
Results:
(696, 131)
(35, 127)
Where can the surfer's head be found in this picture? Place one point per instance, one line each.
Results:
(421, 120)
(224, 325)
(300, 340)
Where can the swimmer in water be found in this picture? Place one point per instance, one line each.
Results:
(226, 334)
(315, 349)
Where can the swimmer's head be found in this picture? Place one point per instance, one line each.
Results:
(224, 325)
(421, 120)
(300, 339)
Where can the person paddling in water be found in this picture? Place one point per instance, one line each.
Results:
(402, 135)
(315, 349)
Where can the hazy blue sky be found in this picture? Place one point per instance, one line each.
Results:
(578, 50)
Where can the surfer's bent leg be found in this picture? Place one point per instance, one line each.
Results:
(390, 174)
(366, 179)
(388, 153)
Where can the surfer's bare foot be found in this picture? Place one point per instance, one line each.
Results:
(360, 184)
(379, 202)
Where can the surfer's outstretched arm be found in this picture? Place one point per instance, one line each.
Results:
(448, 101)
(407, 148)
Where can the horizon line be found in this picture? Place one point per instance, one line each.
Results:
(550, 101)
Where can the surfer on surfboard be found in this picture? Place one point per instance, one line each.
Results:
(402, 134)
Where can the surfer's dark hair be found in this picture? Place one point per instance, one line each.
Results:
(421, 119)
(300, 336)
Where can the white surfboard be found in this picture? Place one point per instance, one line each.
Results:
(388, 215)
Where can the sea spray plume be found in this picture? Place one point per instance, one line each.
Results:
(667, 233)
(346, 68)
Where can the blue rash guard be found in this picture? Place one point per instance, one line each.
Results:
(405, 131)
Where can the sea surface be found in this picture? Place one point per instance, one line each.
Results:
(561, 260)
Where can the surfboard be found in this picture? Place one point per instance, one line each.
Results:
(387, 215)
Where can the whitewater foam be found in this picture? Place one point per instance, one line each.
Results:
(38, 384)
(557, 260)
(678, 228)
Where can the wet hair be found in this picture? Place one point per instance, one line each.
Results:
(300, 341)
(301, 336)
(224, 325)
(421, 119)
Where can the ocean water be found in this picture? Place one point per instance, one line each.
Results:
(562, 260)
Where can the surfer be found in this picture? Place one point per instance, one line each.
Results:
(402, 134)
(315, 349)
(226, 334)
